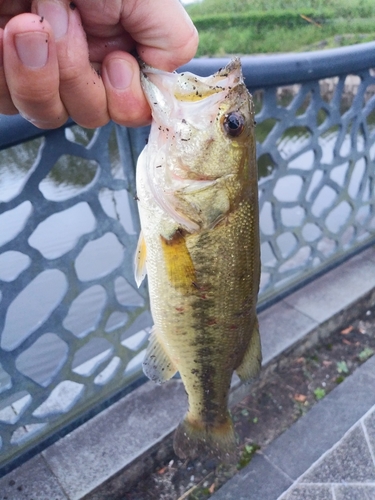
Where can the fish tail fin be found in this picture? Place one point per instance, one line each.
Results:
(218, 440)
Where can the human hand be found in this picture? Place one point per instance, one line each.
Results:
(48, 56)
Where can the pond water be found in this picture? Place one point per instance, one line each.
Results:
(55, 236)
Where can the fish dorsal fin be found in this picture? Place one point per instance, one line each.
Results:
(252, 360)
(157, 364)
(140, 269)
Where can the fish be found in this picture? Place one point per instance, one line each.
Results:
(197, 191)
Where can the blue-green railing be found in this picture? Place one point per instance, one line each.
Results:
(73, 326)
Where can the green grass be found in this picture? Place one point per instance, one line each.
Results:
(265, 26)
(346, 8)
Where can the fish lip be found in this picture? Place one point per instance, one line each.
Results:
(234, 65)
(160, 102)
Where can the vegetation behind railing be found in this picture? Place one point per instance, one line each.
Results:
(239, 27)
(341, 8)
(261, 20)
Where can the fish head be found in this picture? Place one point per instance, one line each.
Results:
(202, 129)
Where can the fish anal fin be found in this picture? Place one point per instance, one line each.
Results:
(140, 269)
(251, 363)
(157, 365)
(217, 440)
(178, 261)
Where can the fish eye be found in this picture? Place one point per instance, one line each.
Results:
(234, 123)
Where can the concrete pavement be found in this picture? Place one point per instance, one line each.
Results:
(329, 454)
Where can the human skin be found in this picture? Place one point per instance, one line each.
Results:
(61, 59)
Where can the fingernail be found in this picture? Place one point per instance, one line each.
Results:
(32, 48)
(56, 15)
(120, 73)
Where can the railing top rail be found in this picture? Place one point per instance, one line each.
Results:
(259, 71)
(286, 69)
(16, 130)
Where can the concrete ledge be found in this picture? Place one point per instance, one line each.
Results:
(32, 480)
(324, 297)
(112, 440)
(106, 455)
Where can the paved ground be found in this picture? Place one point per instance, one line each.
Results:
(329, 454)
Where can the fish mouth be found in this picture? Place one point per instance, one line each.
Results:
(161, 88)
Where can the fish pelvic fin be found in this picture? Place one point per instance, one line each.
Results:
(214, 441)
(140, 270)
(157, 365)
(251, 363)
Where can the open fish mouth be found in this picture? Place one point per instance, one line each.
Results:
(163, 89)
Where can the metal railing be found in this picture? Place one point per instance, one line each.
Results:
(73, 326)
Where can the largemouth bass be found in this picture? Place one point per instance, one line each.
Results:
(198, 205)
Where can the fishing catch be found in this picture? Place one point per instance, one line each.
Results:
(199, 244)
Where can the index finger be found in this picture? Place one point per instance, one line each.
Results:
(164, 35)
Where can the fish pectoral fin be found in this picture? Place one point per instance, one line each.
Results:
(178, 262)
(157, 365)
(140, 269)
(251, 363)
